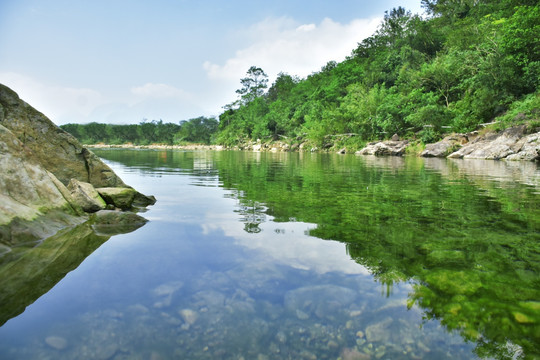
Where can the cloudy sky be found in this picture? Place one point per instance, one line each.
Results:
(120, 61)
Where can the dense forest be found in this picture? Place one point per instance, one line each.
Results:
(462, 64)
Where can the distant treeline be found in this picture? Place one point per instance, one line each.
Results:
(467, 63)
(198, 130)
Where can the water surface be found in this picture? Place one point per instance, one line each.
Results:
(301, 256)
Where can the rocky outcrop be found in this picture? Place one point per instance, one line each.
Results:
(382, 148)
(512, 144)
(38, 162)
(56, 150)
(446, 146)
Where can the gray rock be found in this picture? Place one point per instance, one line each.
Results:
(322, 300)
(56, 150)
(492, 146)
(29, 194)
(143, 200)
(446, 146)
(86, 196)
(383, 148)
(379, 332)
(527, 148)
(38, 160)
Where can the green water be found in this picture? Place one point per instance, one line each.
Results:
(291, 256)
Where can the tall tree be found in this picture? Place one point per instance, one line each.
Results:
(253, 85)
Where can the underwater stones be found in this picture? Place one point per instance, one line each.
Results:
(209, 299)
(379, 332)
(86, 196)
(189, 316)
(322, 300)
(56, 342)
(165, 292)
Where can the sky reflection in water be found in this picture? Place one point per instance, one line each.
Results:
(220, 273)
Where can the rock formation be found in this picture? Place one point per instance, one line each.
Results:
(511, 144)
(390, 147)
(38, 160)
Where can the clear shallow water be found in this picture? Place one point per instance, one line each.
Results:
(422, 259)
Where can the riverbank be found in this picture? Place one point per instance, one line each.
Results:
(520, 142)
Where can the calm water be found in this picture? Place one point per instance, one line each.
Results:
(290, 256)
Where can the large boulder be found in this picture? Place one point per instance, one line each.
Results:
(33, 203)
(38, 160)
(58, 152)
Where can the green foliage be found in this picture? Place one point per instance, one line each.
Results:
(199, 130)
(465, 65)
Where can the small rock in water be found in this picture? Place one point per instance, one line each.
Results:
(301, 315)
(189, 316)
(56, 342)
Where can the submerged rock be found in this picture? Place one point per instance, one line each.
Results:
(325, 301)
(56, 342)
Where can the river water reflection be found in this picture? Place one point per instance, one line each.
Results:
(303, 256)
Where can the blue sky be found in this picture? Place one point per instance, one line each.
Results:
(120, 61)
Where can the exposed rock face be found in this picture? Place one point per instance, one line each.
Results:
(27, 193)
(38, 160)
(511, 144)
(381, 148)
(446, 146)
(56, 150)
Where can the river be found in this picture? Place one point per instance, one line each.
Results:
(292, 256)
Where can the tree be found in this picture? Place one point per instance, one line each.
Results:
(253, 85)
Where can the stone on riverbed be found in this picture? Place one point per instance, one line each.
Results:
(324, 301)
(56, 342)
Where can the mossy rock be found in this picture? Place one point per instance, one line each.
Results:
(119, 197)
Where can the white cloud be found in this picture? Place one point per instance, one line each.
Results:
(280, 44)
(151, 90)
(54, 101)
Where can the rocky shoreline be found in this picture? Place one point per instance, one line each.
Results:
(515, 143)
